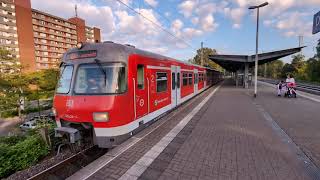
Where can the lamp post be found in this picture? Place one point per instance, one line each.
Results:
(257, 41)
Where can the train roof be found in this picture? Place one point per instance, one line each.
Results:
(121, 52)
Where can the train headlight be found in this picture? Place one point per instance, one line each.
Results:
(101, 116)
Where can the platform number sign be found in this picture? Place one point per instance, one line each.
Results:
(316, 23)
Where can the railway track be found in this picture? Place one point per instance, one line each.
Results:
(313, 89)
(69, 166)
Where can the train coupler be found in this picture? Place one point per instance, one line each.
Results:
(72, 133)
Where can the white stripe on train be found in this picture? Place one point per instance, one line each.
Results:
(125, 129)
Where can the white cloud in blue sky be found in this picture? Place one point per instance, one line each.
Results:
(226, 25)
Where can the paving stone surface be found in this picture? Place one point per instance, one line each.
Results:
(231, 137)
(116, 168)
(228, 139)
(299, 118)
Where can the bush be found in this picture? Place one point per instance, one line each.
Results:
(13, 113)
(11, 140)
(19, 153)
(9, 113)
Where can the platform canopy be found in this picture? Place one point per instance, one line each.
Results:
(236, 62)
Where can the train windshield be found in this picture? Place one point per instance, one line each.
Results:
(65, 79)
(100, 79)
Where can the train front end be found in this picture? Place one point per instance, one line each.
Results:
(92, 98)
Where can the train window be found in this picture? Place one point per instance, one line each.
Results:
(173, 82)
(195, 78)
(185, 79)
(65, 79)
(105, 79)
(162, 81)
(178, 80)
(190, 79)
(200, 77)
(140, 76)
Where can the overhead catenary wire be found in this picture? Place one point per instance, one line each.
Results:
(161, 27)
(167, 19)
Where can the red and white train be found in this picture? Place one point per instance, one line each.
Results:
(115, 90)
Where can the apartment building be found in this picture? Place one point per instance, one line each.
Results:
(39, 39)
(8, 27)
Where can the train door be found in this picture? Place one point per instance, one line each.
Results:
(204, 79)
(175, 85)
(141, 92)
(196, 79)
(178, 84)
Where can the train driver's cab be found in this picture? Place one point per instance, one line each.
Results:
(93, 79)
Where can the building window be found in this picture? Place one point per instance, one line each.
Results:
(162, 82)
(43, 35)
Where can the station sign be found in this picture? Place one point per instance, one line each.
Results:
(316, 23)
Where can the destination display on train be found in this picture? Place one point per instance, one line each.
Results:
(82, 54)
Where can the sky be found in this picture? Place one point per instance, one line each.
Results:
(176, 28)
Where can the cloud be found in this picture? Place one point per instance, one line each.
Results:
(208, 23)
(195, 20)
(236, 14)
(187, 7)
(201, 13)
(191, 32)
(291, 24)
(176, 25)
(152, 3)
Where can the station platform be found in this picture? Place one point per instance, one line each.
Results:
(224, 133)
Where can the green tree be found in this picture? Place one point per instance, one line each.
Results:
(274, 69)
(313, 66)
(14, 84)
(299, 67)
(206, 60)
(12, 81)
(313, 70)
